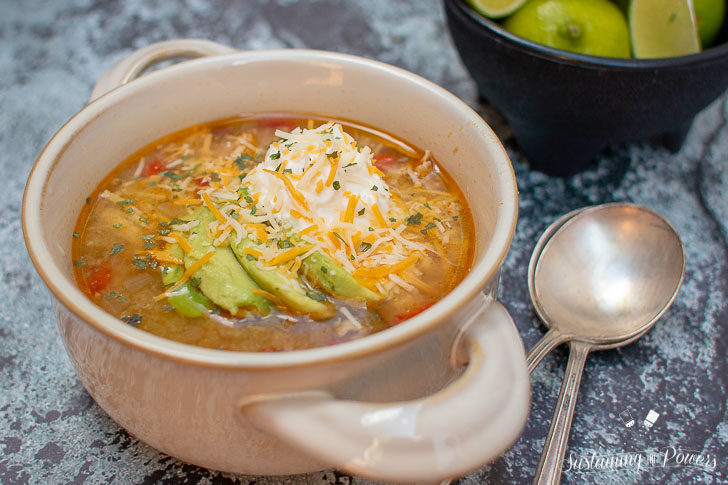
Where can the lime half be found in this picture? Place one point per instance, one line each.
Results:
(594, 27)
(663, 28)
(709, 15)
(496, 9)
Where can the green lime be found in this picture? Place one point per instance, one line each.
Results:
(496, 9)
(709, 14)
(595, 27)
(662, 28)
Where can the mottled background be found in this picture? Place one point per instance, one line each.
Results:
(52, 432)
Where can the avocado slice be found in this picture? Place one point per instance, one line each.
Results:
(187, 300)
(222, 279)
(324, 273)
(289, 291)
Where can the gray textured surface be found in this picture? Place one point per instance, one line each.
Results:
(52, 432)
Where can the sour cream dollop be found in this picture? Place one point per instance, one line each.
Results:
(320, 176)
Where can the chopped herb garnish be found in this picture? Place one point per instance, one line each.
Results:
(324, 270)
(149, 244)
(365, 246)
(176, 221)
(124, 202)
(133, 320)
(234, 215)
(315, 296)
(241, 159)
(152, 184)
(195, 281)
(424, 231)
(172, 175)
(244, 191)
(278, 167)
(289, 145)
(336, 185)
(89, 200)
(375, 188)
(430, 225)
(78, 264)
(250, 257)
(139, 262)
(371, 229)
(275, 156)
(163, 224)
(427, 205)
(143, 220)
(287, 170)
(130, 210)
(437, 219)
(253, 209)
(284, 244)
(75, 234)
(392, 219)
(361, 212)
(349, 165)
(414, 220)
(332, 155)
(164, 232)
(116, 226)
(147, 236)
(242, 176)
(114, 295)
(454, 218)
(249, 199)
(341, 238)
(118, 247)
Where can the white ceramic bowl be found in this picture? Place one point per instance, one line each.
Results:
(390, 406)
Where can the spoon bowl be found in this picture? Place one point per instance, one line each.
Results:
(607, 273)
(599, 278)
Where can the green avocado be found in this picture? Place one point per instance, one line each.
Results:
(222, 279)
(289, 291)
(186, 299)
(324, 273)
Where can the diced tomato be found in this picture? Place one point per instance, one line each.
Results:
(98, 277)
(276, 124)
(407, 315)
(152, 167)
(384, 161)
(202, 182)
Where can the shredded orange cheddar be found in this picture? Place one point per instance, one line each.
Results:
(378, 214)
(215, 212)
(253, 252)
(350, 207)
(319, 186)
(297, 196)
(189, 272)
(289, 254)
(334, 161)
(165, 257)
(259, 231)
(297, 214)
(306, 230)
(269, 296)
(187, 201)
(385, 270)
(182, 242)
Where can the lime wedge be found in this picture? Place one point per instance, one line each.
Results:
(496, 9)
(663, 28)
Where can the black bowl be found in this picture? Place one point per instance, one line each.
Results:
(565, 107)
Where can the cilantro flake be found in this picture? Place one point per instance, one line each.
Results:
(336, 185)
(118, 247)
(315, 296)
(133, 320)
(414, 220)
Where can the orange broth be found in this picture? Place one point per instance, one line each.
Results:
(123, 237)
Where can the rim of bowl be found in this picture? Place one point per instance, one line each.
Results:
(68, 294)
(584, 60)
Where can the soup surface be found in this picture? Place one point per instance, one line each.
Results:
(272, 233)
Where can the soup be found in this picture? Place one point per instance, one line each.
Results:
(272, 233)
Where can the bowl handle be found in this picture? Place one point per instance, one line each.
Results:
(455, 430)
(134, 65)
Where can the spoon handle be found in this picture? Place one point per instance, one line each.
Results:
(552, 456)
(551, 339)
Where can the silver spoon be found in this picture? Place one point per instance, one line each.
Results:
(599, 278)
